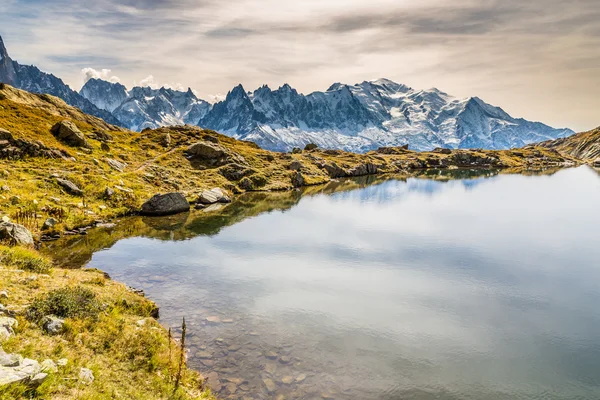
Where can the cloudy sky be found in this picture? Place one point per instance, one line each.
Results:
(538, 59)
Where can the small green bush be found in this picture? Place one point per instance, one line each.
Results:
(26, 259)
(67, 302)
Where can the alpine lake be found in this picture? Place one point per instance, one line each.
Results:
(451, 285)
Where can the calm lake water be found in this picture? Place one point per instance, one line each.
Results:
(479, 288)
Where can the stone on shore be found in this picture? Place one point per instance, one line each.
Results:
(213, 196)
(165, 204)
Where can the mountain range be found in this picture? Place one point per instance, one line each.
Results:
(357, 118)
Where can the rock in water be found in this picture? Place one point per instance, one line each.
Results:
(16, 234)
(69, 133)
(212, 196)
(165, 204)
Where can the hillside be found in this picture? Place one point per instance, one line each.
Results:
(135, 166)
(584, 146)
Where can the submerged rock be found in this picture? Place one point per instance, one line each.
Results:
(165, 204)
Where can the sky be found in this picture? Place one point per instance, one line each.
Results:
(537, 59)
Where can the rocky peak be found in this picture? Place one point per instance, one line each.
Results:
(7, 68)
(3, 51)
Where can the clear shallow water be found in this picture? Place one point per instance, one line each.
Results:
(485, 288)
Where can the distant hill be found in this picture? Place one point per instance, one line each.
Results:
(584, 146)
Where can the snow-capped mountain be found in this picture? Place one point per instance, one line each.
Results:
(31, 79)
(369, 115)
(144, 107)
(357, 117)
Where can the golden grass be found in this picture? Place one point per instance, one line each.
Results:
(129, 359)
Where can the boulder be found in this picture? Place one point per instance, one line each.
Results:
(442, 150)
(310, 146)
(212, 196)
(48, 366)
(235, 172)
(297, 179)
(26, 371)
(52, 325)
(597, 163)
(363, 169)
(16, 234)
(334, 170)
(69, 187)
(104, 147)
(117, 165)
(66, 131)
(296, 150)
(206, 151)
(165, 204)
(296, 165)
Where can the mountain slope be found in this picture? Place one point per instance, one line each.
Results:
(584, 146)
(369, 115)
(31, 79)
(144, 107)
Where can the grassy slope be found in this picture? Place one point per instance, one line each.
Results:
(130, 360)
(584, 145)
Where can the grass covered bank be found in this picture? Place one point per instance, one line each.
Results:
(107, 329)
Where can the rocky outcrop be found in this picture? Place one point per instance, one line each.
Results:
(16, 369)
(16, 149)
(363, 169)
(165, 204)
(16, 234)
(235, 172)
(335, 171)
(7, 325)
(67, 132)
(212, 154)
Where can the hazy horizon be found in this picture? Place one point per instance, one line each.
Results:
(539, 60)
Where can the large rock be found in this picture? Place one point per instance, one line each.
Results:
(298, 179)
(66, 131)
(212, 196)
(15, 234)
(69, 187)
(334, 170)
(115, 164)
(206, 151)
(235, 172)
(165, 204)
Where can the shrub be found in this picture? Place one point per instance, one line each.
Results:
(66, 302)
(26, 259)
